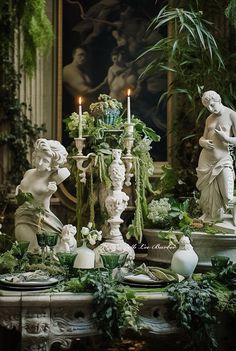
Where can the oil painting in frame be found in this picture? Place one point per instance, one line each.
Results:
(106, 37)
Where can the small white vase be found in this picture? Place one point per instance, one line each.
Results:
(85, 257)
(185, 259)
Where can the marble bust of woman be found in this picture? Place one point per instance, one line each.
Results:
(49, 157)
(215, 166)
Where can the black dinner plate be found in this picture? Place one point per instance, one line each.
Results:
(144, 285)
(25, 288)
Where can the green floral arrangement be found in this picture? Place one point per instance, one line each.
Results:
(107, 108)
(166, 213)
(73, 122)
(91, 235)
(106, 129)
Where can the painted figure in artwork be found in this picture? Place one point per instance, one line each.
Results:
(41, 182)
(215, 167)
(75, 75)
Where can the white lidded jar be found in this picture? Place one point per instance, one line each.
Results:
(85, 257)
(185, 259)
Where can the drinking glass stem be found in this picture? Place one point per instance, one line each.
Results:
(51, 255)
(43, 254)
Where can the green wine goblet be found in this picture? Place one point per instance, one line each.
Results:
(42, 243)
(51, 241)
(67, 260)
(110, 261)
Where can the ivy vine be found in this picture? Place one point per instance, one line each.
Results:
(17, 131)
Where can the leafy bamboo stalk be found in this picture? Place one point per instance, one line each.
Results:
(197, 63)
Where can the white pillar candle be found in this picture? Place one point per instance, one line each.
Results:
(80, 118)
(128, 107)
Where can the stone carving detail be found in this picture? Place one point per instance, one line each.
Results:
(9, 320)
(42, 346)
(41, 325)
(36, 326)
(67, 321)
(157, 324)
(117, 170)
(64, 342)
(115, 203)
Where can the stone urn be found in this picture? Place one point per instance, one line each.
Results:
(107, 109)
(205, 245)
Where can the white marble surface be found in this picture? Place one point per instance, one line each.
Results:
(44, 318)
(205, 246)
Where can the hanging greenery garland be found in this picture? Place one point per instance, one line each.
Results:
(37, 32)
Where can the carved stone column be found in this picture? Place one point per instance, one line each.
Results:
(35, 323)
(10, 312)
(115, 203)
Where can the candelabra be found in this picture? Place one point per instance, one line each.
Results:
(81, 158)
(116, 201)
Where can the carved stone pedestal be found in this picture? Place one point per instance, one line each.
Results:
(45, 318)
(115, 203)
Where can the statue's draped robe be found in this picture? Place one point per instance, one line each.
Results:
(211, 200)
(26, 216)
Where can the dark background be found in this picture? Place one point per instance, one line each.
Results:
(78, 31)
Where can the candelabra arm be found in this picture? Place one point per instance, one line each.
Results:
(80, 159)
(128, 160)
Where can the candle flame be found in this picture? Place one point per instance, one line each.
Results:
(128, 92)
(80, 100)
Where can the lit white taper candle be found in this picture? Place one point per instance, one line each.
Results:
(80, 118)
(128, 107)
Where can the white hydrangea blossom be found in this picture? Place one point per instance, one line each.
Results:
(144, 145)
(74, 120)
(158, 210)
(104, 102)
(90, 235)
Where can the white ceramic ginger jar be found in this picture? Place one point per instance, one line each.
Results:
(85, 257)
(185, 259)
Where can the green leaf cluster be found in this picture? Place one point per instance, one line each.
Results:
(8, 262)
(192, 305)
(22, 197)
(116, 307)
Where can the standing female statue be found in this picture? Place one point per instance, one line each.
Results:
(41, 181)
(215, 167)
